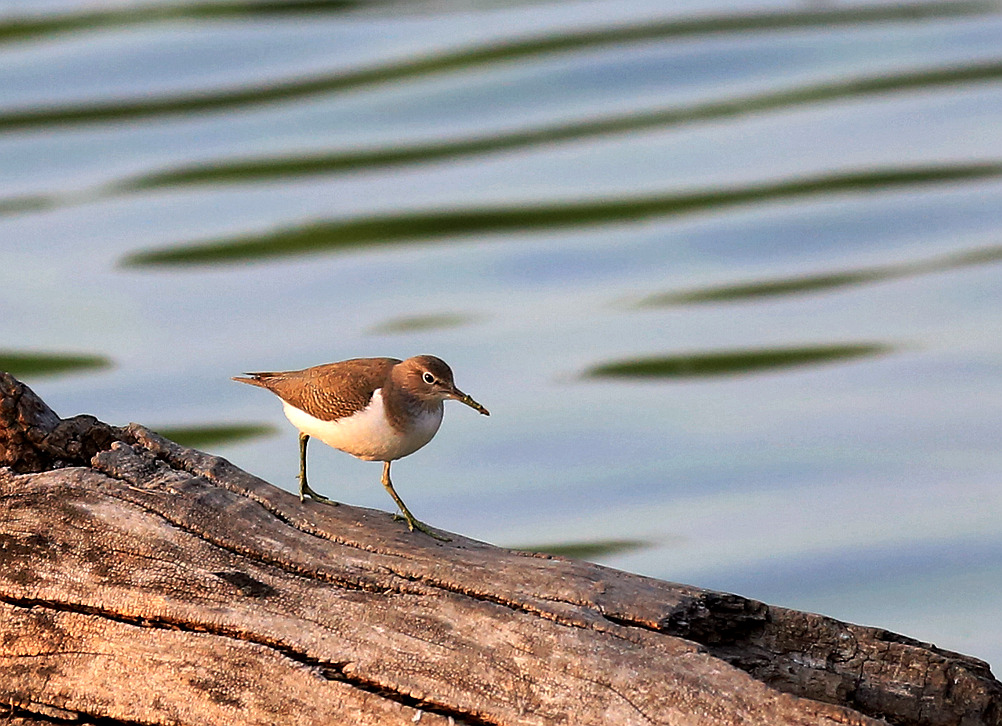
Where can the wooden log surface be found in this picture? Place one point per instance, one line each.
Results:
(142, 582)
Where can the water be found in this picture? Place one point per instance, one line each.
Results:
(726, 274)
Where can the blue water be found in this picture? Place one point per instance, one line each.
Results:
(865, 488)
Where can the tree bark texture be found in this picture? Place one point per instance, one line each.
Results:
(142, 582)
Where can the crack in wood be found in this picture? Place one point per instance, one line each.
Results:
(47, 713)
(332, 671)
(622, 696)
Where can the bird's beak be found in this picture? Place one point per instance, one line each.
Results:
(463, 398)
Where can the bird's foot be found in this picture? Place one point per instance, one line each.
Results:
(305, 490)
(414, 523)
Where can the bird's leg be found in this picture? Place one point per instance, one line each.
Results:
(412, 522)
(304, 488)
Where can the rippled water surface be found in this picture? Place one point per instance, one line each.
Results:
(726, 273)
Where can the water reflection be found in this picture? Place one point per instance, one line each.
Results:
(466, 59)
(423, 323)
(27, 27)
(588, 550)
(806, 284)
(240, 171)
(22, 364)
(733, 362)
(206, 435)
(396, 229)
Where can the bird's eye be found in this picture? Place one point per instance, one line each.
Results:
(428, 378)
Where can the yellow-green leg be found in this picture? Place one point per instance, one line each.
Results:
(412, 522)
(304, 488)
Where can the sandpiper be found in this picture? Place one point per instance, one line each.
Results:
(376, 409)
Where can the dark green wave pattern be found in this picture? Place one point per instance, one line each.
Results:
(588, 550)
(397, 229)
(732, 362)
(28, 365)
(215, 434)
(227, 98)
(14, 29)
(270, 169)
(266, 169)
(823, 282)
(422, 323)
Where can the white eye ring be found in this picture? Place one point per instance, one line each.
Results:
(428, 378)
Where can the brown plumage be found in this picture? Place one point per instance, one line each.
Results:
(327, 392)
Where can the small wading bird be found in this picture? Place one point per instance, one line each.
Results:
(376, 409)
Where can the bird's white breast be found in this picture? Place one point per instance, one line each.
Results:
(368, 434)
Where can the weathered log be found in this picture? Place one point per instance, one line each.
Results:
(145, 583)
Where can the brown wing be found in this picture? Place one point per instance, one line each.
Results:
(327, 392)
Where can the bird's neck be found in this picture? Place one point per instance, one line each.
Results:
(404, 406)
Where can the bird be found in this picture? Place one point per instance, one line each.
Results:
(376, 409)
